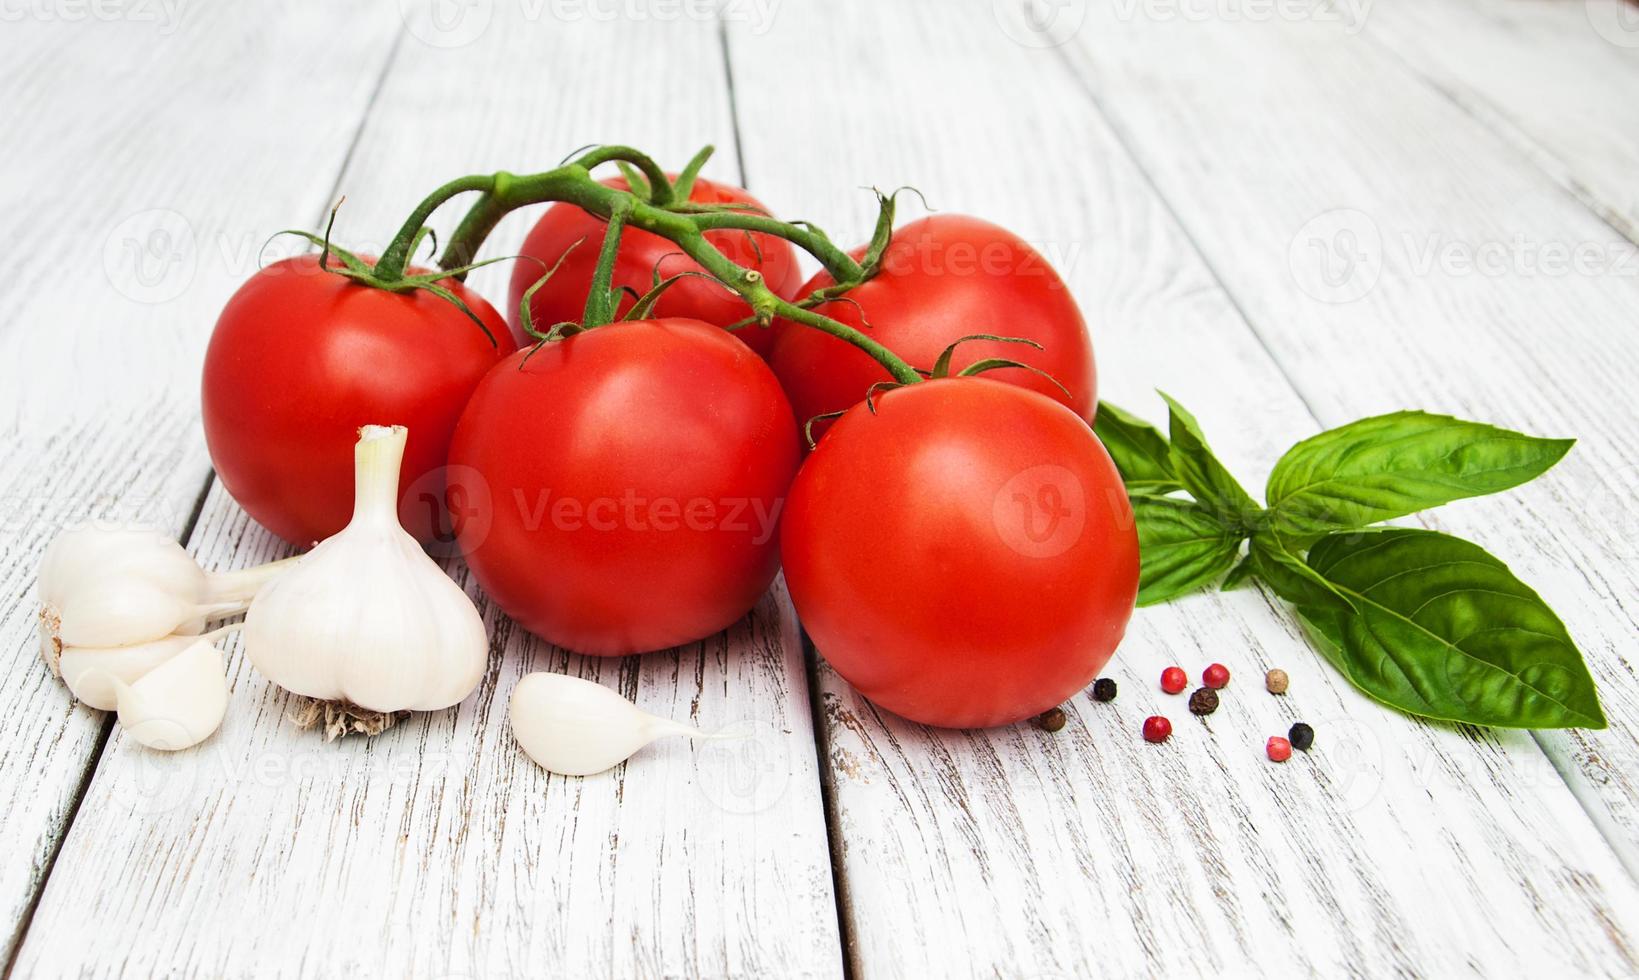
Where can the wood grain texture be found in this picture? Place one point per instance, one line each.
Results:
(1557, 79)
(1394, 847)
(131, 220)
(1460, 281)
(438, 849)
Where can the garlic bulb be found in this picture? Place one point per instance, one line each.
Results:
(366, 618)
(576, 727)
(177, 704)
(91, 672)
(117, 585)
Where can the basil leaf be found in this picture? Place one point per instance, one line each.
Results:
(1442, 629)
(1138, 448)
(1283, 570)
(1393, 465)
(1202, 475)
(1238, 576)
(1181, 547)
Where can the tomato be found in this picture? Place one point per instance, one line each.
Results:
(641, 252)
(620, 490)
(964, 557)
(301, 357)
(941, 278)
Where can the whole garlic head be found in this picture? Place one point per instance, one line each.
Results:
(366, 618)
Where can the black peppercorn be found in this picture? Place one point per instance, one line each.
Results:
(1204, 701)
(1104, 689)
(1050, 720)
(1301, 736)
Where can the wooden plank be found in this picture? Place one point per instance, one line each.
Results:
(1557, 79)
(438, 848)
(135, 222)
(1395, 847)
(1477, 287)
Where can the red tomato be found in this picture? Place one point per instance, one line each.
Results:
(942, 278)
(301, 358)
(964, 557)
(564, 295)
(619, 490)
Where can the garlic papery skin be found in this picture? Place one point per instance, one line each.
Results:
(91, 673)
(366, 618)
(577, 727)
(179, 703)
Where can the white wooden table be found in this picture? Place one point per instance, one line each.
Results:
(1264, 210)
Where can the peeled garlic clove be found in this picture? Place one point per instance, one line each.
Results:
(91, 672)
(576, 727)
(178, 704)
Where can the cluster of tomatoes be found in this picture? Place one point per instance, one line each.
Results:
(960, 549)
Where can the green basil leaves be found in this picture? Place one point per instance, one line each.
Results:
(1421, 621)
(1393, 465)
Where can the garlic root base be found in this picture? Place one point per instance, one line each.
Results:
(339, 718)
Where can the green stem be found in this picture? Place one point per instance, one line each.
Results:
(660, 185)
(573, 183)
(838, 263)
(390, 268)
(600, 301)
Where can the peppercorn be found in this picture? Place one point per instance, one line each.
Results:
(1104, 689)
(1156, 729)
(1302, 736)
(1204, 701)
(1173, 680)
(1279, 749)
(1216, 675)
(1276, 681)
(1050, 720)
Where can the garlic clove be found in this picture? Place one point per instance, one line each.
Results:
(80, 557)
(179, 703)
(119, 613)
(90, 672)
(576, 727)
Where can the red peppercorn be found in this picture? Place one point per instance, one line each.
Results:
(1279, 749)
(1215, 676)
(1173, 680)
(1156, 729)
